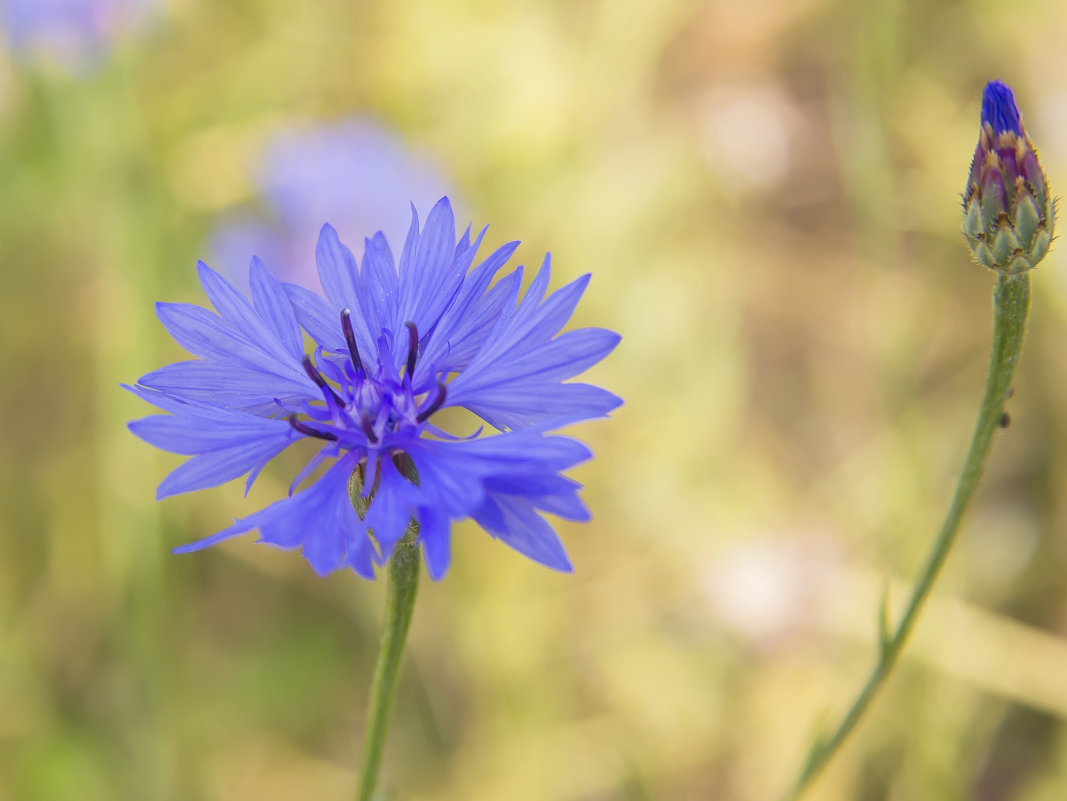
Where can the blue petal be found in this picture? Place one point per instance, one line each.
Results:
(566, 506)
(321, 519)
(515, 377)
(211, 338)
(464, 243)
(429, 286)
(407, 252)
(200, 332)
(999, 109)
(337, 269)
(466, 250)
(238, 527)
(470, 334)
(340, 278)
(216, 467)
(234, 307)
(195, 433)
(362, 558)
(435, 534)
(448, 478)
(273, 304)
(515, 523)
(231, 387)
(379, 284)
(317, 317)
(326, 552)
(531, 322)
(463, 326)
(557, 309)
(555, 494)
(390, 511)
(525, 447)
(168, 402)
(501, 481)
(563, 357)
(538, 404)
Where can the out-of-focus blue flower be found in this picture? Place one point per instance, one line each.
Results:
(355, 173)
(73, 33)
(394, 344)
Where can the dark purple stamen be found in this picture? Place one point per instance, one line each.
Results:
(308, 431)
(350, 338)
(316, 376)
(413, 348)
(368, 428)
(438, 402)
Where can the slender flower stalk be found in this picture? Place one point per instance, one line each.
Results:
(401, 587)
(1008, 222)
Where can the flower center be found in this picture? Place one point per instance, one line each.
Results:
(362, 408)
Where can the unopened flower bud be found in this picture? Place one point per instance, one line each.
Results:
(1008, 212)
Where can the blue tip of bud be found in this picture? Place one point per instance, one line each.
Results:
(999, 109)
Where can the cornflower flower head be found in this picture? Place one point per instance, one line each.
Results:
(394, 343)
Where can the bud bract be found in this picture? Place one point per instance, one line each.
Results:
(1008, 211)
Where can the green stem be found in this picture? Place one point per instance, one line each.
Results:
(1011, 303)
(402, 584)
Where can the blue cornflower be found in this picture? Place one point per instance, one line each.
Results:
(74, 33)
(393, 345)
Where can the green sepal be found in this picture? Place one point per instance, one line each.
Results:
(972, 220)
(1005, 245)
(1041, 244)
(992, 208)
(1027, 219)
(984, 256)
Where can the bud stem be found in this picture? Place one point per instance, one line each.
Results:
(1011, 304)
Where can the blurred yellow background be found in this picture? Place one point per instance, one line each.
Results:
(767, 194)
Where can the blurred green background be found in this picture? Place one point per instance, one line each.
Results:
(767, 193)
